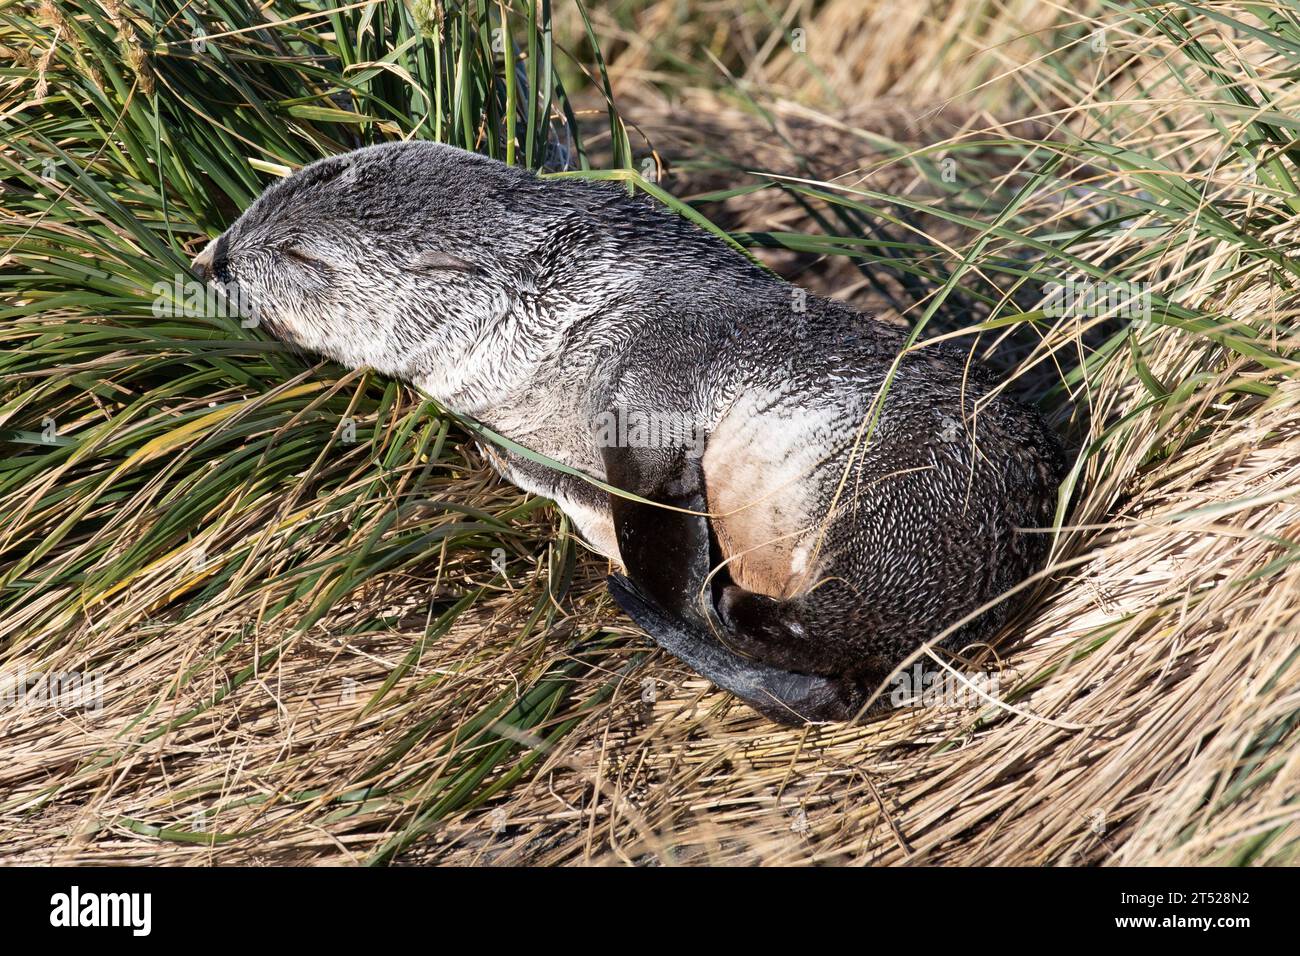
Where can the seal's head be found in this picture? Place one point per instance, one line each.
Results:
(365, 257)
(404, 257)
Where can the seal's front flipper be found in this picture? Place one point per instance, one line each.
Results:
(666, 547)
(783, 696)
(668, 553)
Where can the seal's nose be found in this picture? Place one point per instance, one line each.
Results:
(209, 263)
(202, 264)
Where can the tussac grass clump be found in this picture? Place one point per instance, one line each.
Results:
(326, 631)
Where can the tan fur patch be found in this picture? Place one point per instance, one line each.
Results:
(756, 470)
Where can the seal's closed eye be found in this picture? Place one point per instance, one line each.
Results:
(433, 260)
(298, 254)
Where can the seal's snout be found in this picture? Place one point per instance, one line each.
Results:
(211, 262)
(202, 264)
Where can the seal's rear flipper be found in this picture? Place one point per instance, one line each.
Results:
(783, 696)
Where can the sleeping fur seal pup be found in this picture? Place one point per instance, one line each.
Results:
(797, 529)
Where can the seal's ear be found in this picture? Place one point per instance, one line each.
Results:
(434, 260)
(323, 173)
